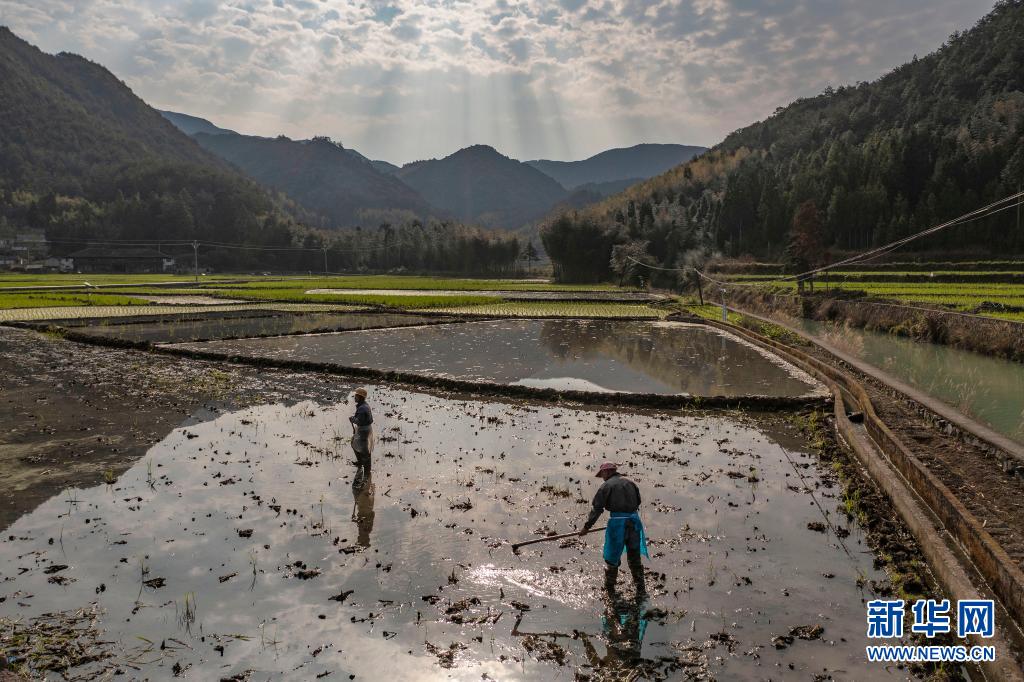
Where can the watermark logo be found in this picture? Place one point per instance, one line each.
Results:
(974, 617)
(931, 617)
(885, 618)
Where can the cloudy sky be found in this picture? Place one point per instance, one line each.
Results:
(405, 79)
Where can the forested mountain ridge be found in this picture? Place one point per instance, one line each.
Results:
(82, 157)
(929, 141)
(319, 175)
(85, 160)
(62, 115)
(191, 125)
(614, 166)
(481, 185)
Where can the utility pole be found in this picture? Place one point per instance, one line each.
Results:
(195, 257)
(1020, 200)
(325, 261)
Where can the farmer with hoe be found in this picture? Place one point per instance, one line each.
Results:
(362, 430)
(621, 498)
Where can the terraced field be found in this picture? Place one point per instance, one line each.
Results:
(1003, 300)
(557, 309)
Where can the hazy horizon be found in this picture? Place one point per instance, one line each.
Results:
(402, 81)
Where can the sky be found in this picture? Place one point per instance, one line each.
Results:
(402, 80)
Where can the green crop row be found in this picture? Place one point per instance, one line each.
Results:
(58, 299)
(557, 309)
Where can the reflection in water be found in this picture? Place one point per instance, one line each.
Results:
(623, 625)
(362, 513)
(245, 324)
(987, 388)
(607, 355)
(242, 545)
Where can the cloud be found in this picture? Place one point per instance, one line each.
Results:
(407, 79)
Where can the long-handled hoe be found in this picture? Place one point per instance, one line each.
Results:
(515, 547)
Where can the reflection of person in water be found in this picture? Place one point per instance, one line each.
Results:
(362, 513)
(623, 625)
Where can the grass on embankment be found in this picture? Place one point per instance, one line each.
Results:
(772, 331)
(58, 299)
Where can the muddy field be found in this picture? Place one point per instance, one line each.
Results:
(243, 544)
(178, 518)
(71, 412)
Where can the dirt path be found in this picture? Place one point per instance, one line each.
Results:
(72, 412)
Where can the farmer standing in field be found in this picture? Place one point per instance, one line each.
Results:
(621, 497)
(362, 430)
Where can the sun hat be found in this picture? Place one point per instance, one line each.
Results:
(607, 466)
(361, 392)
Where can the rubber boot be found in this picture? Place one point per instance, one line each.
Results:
(611, 574)
(636, 567)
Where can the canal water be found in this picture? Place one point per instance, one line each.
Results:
(988, 389)
(243, 546)
(588, 355)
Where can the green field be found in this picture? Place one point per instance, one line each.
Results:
(558, 309)
(63, 299)
(980, 298)
(10, 279)
(128, 289)
(298, 282)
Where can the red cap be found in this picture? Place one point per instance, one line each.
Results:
(607, 466)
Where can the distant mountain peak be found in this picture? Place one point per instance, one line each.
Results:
(191, 125)
(478, 183)
(613, 166)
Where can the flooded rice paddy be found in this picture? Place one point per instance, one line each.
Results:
(586, 355)
(242, 546)
(246, 325)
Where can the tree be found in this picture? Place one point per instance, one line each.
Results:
(805, 249)
(530, 254)
(626, 262)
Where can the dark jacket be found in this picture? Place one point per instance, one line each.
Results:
(617, 494)
(363, 418)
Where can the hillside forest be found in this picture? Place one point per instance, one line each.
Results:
(865, 164)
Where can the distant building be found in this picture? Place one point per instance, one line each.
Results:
(100, 259)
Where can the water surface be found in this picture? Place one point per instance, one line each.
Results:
(220, 327)
(987, 388)
(220, 551)
(596, 355)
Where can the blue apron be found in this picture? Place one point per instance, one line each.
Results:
(615, 536)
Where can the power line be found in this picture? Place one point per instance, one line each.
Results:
(872, 254)
(977, 214)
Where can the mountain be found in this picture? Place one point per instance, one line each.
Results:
(190, 125)
(870, 163)
(61, 116)
(318, 174)
(479, 184)
(617, 165)
(381, 166)
(82, 157)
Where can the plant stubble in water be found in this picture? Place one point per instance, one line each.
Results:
(246, 543)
